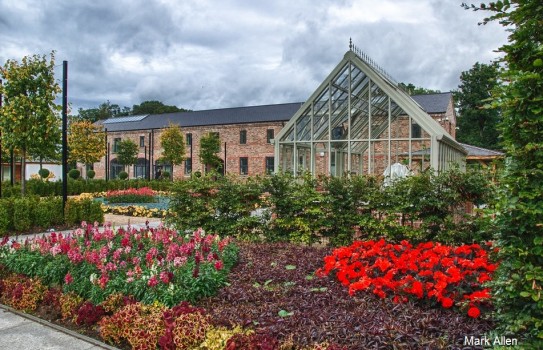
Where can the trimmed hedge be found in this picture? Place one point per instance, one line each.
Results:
(76, 187)
(25, 214)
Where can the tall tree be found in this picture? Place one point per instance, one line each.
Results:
(210, 145)
(155, 107)
(29, 117)
(478, 125)
(127, 152)
(173, 145)
(518, 282)
(86, 142)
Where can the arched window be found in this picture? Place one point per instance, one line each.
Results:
(140, 169)
(115, 168)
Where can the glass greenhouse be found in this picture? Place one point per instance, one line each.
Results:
(359, 121)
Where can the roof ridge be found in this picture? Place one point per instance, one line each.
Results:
(252, 106)
(481, 148)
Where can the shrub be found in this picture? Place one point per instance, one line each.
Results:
(166, 175)
(48, 212)
(4, 218)
(69, 304)
(90, 174)
(22, 293)
(74, 174)
(23, 209)
(89, 314)
(123, 175)
(44, 173)
(87, 210)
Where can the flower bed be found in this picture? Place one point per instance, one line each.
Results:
(150, 265)
(273, 301)
(132, 195)
(430, 271)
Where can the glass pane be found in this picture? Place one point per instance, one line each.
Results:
(303, 126)
(320, 119)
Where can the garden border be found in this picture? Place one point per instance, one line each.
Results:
(58, 328)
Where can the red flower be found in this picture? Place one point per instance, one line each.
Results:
(68, 278)
(447, 302)
(152, 281)
(474, 312)
(218, 265)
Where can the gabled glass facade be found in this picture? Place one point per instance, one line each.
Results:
(360, 122)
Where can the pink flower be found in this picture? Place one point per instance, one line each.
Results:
(219, 265)
(152, 281)
(68, 278)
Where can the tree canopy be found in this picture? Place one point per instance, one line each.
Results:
(108, 110)
(415, 90)
(127, 152)
(173, 144)
(476, 124)
(86, 142)
(155, 107)
(518, 283)
(29, 117)
(210, 145)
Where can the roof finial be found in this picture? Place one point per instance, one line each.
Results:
(350, 44)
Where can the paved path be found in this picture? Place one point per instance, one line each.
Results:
(20, 331)
(29, 333)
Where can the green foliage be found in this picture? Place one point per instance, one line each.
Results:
(44, 173)
(173, 145)
(123, 175)
(155, 107)
(519, 279)
(87, 210)
(86, 142)
(74, 174)
(223, 206)
(4, 218)
(91, 174)
(104, 111)
(415, 90)
(22, 213)
(210, 145)
(29, 118)
(478, 125)
(127, 152)
(297, 207)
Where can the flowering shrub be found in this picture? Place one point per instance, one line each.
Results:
(132, 195)
(135, 210)
(21, 292)
(432, 271)
(154, 264)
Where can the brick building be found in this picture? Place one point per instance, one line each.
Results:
(357, 121)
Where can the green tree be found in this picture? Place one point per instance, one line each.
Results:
(127, 152)
(518, 283)
(29, 117)
(478, 125)
(414, 90)
(210, 145)
(106, 110)
(173, 145)
(155, 107)
(86, 142)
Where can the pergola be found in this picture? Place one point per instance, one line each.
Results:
(359, 121)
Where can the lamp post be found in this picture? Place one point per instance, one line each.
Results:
(64, 133)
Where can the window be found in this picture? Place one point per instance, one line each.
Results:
(188, 166)
(270, 163)
(243, 137)
(269, 135)
(142, 141)
(140, 168)
(189, 139)
(116, 144)
(415, 131)
(243, 166)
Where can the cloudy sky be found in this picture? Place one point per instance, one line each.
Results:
(203, 54)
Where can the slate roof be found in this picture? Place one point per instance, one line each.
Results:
(433, 103)
(224, 116)
(479, 152)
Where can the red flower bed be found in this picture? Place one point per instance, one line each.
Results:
(430, 271)
(132, 195)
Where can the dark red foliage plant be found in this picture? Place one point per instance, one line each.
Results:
(89, 314)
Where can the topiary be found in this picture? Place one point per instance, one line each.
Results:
(74, 174)
(91, 174)
(44, 173)
(166, 175)
(123, 175)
